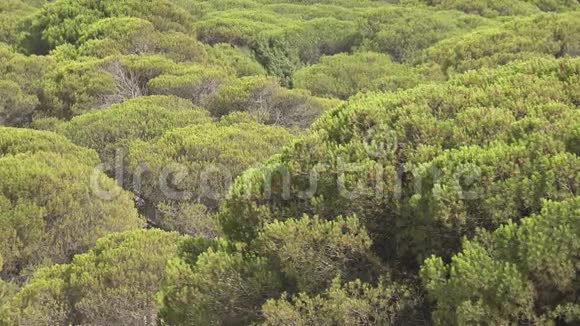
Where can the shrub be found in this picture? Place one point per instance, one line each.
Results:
(521, 272)
(16, 107)
(344, 75)
(312, 252)
(19, 141)
(122, 272)
(241, 61)
(65, 21)
(193, 82)
(224, 286)
(50, 210)
(391, 158)
(547, 35)
(354, 303)
(196, 164)
(403, 33)
(143, 118)
(268, 102)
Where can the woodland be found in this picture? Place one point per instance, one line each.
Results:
(289, 162)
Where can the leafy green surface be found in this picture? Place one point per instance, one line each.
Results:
(296, 162)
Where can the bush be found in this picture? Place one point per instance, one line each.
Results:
(344, 75)
(193, 82)
(196, 164)
(19, 141)
(50, 209)
(241, 61)
(487, 8)
(439, 127)
(26, 71)
(77, 87)
(143, 118)
(12, 12)
(181, 47)
(239, 28)
(268, 102)
(16, 107)
(66, 21)
(123, 273)
(366, 158)
(124, 35)
(311, 252)
(129, 35)
(555, 5)
(20, 85)
(403, 33)
(547, 35)
(520, 272)
(354, 303)
(284, 51)
(223, 286)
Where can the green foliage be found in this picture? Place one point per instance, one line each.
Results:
(487, 8)
(547, 35)
(76, 87)
(40, 225)
(186, 217)
(237, 59)
(196, 164)
(20, 85)
(321, 36)
(312, 252)
(19, 141)
(438, 123)
(308, 10)
(354, 303)
(66, 21)
(403, 162)
(129, 35)
(51, 209)
(27, 72)
(143, 118)
(403, 33)
(132, 73)
(281, 44)
(7, 291)
(344, 75)
(284, 51)
(16, 107)
(484, 187)
(193, 82)
(240, 28)
(122, 272)
(47, 304)
(264, 99)
(520, 272)
(12, 12)
(223, 286)
(58, 23)
(555, 5)
(121, 35)
(181, 47)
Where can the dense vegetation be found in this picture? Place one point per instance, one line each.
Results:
(270, 162)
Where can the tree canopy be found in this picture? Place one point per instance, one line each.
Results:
(41, 226)
(123, 265)
(525, 271)
(289, 162)
(195, 165)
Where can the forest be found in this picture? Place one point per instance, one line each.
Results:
(289, 162)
